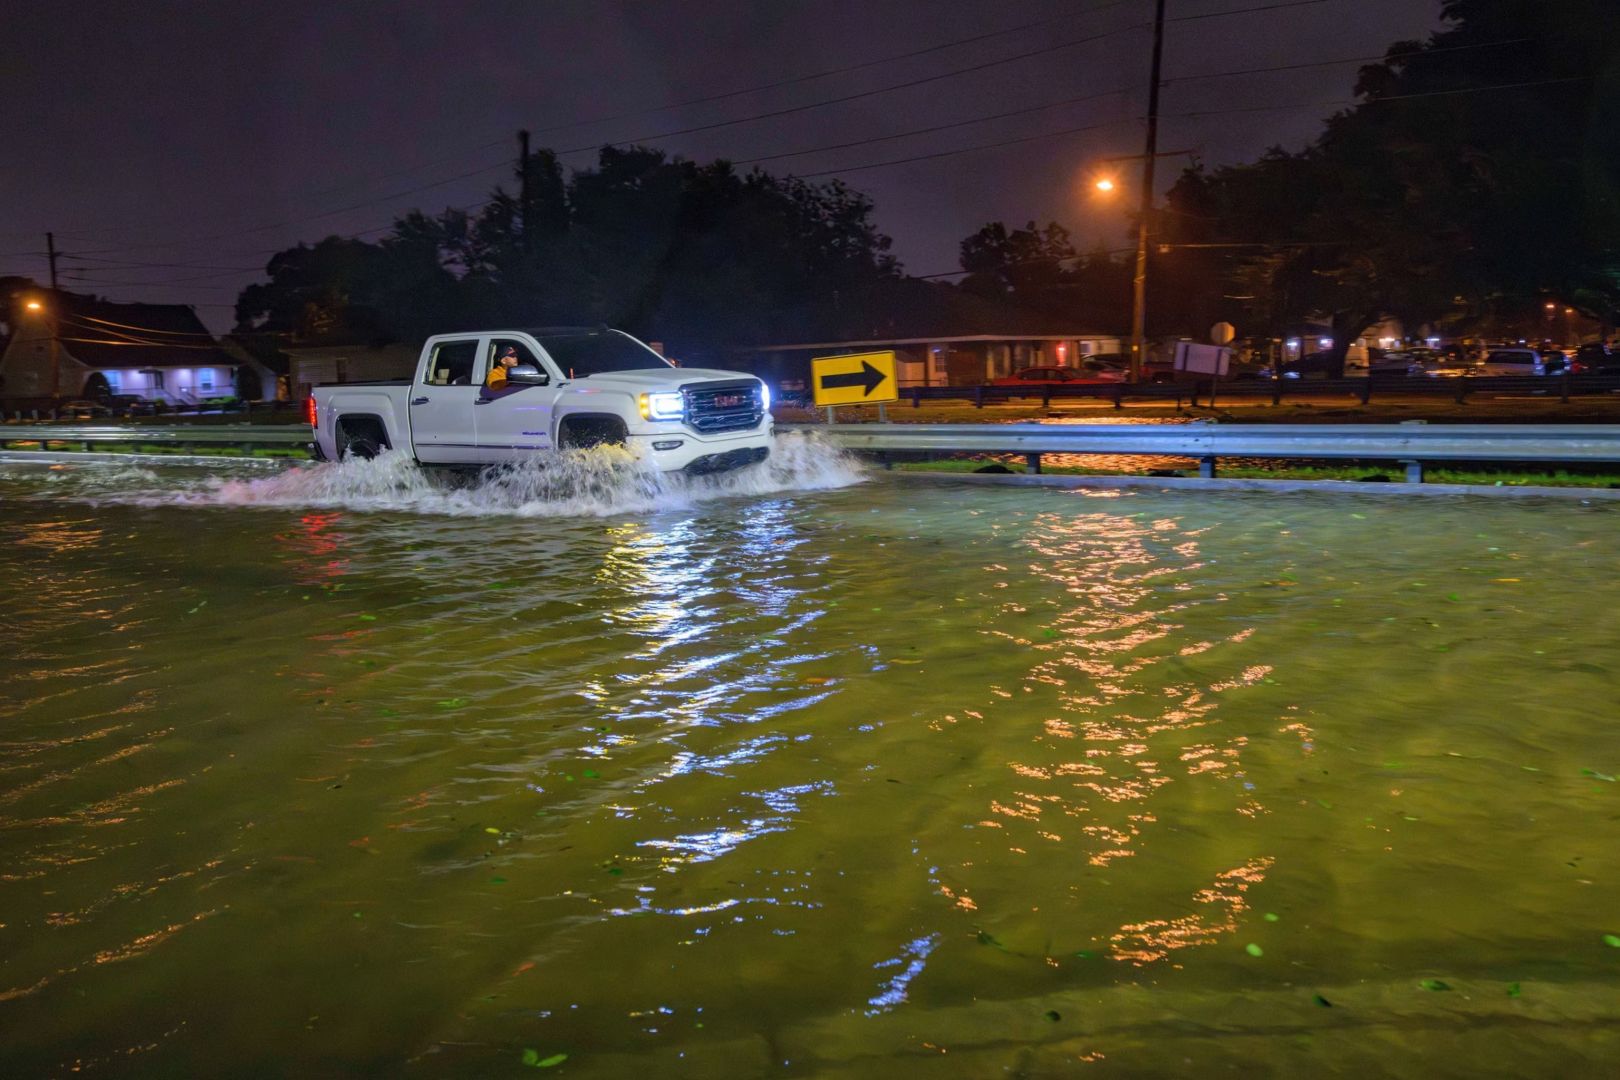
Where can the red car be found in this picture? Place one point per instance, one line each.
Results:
(1090, 372)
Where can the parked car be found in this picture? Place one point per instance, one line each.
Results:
(131, 405)
(1517, 360)
(82, 410)
(1596, 358)
(1090, 372)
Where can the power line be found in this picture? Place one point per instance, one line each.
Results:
(774, 113)
(929, 130)
(844, 70)
(1390, 97)
(1385, 57)
(964, 150)
(1245, 11)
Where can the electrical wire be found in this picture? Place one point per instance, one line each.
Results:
(775, 113)
(929, 130)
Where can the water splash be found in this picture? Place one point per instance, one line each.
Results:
(597, 482)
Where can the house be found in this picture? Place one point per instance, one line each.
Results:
(63, 345)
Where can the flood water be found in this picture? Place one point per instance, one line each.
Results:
(351, 771)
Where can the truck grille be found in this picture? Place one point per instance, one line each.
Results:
(728, 406)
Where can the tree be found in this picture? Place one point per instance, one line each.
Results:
(662, 247)
(1480, 172)
(1024, 265)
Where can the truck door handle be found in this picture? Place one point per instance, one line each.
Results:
(482, 401)
(419, 401)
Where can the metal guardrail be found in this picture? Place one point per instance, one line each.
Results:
(1364, 389)
(89, 436)
(1412, 445)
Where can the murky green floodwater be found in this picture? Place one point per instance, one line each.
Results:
(888, 780)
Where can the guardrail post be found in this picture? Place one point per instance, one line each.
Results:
(1366, 389)
(1563, 385)
(978, 397)
(1414, 471)
(1206, 467)
(1033, 463)
(1119, 395)
(1462, 389)
(916, 397)
(1046, 396)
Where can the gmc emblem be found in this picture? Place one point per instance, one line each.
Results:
(727, 401)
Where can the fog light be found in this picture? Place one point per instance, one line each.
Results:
(668, 444)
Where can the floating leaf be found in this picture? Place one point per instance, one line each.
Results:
(1271, 916)
(1434, 984)
(1322, 1001)
(554, 1059)
(1513, 990)
(492, 830)
(531, 1057)
(1453, 597)
(497, 880)
(1053, 1015)
(615, 870)
(984, 938)
(366, 618)
(1612, 941)
(591, 774)
(1254, 950)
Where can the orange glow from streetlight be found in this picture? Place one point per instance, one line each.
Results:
(34, 305)
(1105, 184)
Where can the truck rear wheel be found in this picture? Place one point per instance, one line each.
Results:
(584, 432)
(360, 437)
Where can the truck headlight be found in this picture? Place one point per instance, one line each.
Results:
(764, 396)
(662, 406)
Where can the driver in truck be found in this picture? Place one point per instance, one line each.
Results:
(496, 379)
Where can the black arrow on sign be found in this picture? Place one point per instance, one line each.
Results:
(868, 377)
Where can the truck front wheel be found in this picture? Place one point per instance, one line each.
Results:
(584, 432)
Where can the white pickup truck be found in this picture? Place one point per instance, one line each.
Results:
(571, 387)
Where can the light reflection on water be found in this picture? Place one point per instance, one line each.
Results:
(871, 779)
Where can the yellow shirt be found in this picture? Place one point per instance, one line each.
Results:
(496, 379)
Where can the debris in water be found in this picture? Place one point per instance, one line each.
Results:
(1434, 984)
(1254, 950)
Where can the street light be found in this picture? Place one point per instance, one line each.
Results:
(1105, 185)
(37, 307)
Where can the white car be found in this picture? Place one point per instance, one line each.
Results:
(1512, 361)
(571, 387)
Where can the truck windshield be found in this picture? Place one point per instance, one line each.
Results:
(580, 355)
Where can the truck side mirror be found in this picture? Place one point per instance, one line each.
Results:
(526, 375)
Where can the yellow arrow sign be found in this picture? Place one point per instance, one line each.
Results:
(860, 379)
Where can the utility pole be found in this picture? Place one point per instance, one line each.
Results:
(525, 210)
(54, 314)
(1139, 296)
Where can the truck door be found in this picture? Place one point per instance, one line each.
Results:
(442, 400)
(513, 421)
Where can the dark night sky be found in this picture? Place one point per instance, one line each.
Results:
(212, 133)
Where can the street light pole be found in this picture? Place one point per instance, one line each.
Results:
(1139, 294)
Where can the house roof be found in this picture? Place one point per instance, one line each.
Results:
(101, 334)
(960, 339)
